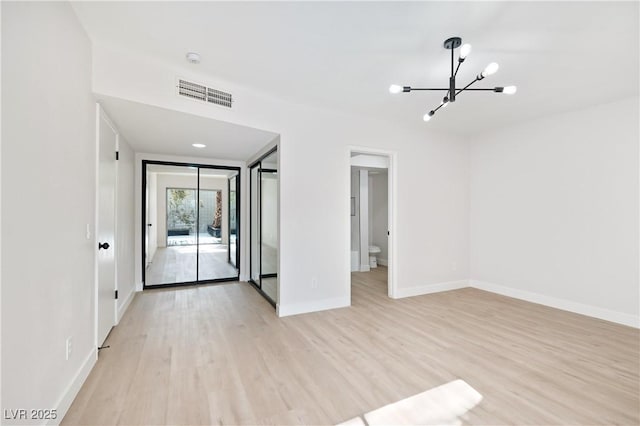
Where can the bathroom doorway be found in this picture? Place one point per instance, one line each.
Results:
(372, 214)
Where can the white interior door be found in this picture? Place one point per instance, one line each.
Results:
(107, 145)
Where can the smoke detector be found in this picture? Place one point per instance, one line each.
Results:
(193, 58)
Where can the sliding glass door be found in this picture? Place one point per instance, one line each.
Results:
(263, 239)
(188, 218)
(171, 223)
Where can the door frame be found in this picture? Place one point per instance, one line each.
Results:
(392, 179)
(143, 222)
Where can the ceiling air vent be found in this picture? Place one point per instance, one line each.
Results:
(219, 97)
(192, 90)
(204, 93)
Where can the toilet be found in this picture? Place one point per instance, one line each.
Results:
(373, 251)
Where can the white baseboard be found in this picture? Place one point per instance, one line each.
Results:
(314, 306)
(565, 305)
(383, 262)
(125, 305)
(430, 288)
(74, 387)
(365, 268)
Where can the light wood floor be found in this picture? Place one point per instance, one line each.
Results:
(219, 355)
(177, 264)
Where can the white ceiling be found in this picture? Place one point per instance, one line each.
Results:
(161, 131)
(561, 55)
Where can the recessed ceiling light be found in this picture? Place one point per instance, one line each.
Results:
(193, 57)
(198, 145)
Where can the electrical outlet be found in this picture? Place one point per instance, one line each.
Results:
(314, 282)
(88, 232)
(69, 347)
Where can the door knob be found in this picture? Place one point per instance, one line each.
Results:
(103, 246)
(149, 224)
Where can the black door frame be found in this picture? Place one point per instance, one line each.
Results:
(144, 222)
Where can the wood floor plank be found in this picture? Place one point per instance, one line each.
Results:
(219, 355)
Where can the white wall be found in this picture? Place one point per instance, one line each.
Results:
(379, 212)
(165, 181)
(554, 210)
(125, 226)
(432, 231)
(48, 192)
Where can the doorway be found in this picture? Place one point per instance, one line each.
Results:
(263, 225)
(372, 215)
(190, 223)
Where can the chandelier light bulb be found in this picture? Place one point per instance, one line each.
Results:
(465, 50)
(490, 69)
(428, 115)
(510, 90)
(394, 88)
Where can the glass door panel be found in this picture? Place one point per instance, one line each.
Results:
(213, 226)
(171, 215)
(255, 225)
(269, 232)
(269, 225)
(234, 219)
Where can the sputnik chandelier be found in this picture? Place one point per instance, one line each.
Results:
(452, 91)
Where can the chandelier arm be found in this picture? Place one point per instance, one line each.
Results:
(447, 89)
(467, 86)
(436, 109)
(424, 88)
(457, 68)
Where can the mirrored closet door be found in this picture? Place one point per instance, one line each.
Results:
(263, 179)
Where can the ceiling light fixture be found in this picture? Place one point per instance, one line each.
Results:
(198, 145)
(452, 91)
(193, 57)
